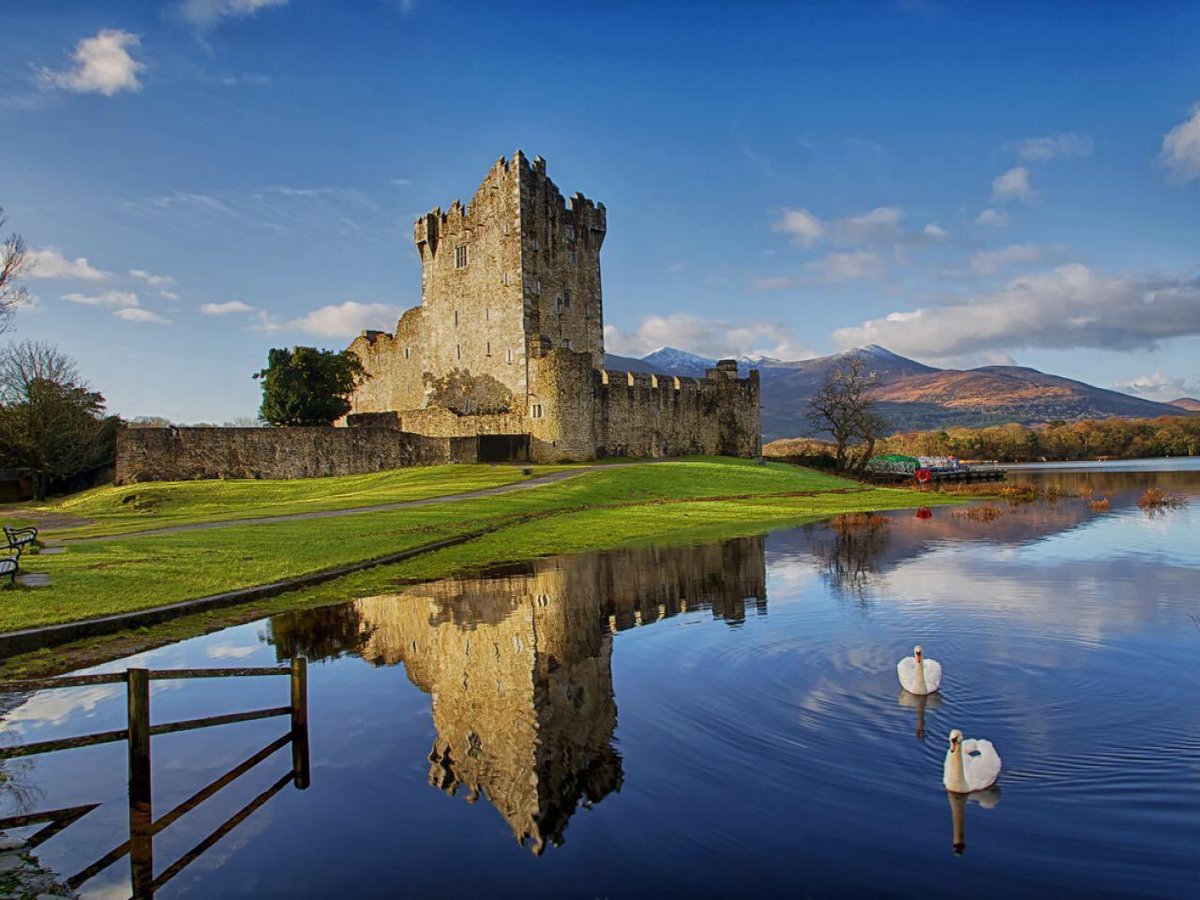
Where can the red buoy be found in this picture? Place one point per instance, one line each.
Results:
(923, 475)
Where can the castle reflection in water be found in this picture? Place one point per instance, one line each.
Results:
(518, 664)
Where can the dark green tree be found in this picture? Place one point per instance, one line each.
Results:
(52, 424)
(307, 386)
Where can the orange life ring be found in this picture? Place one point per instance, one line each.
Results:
(923, 475)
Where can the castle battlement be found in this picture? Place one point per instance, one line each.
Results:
(510, 334)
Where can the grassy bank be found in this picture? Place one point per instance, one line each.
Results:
(112, 510)
(599, 509)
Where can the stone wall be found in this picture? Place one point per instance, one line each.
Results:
(186, 454)
(640, 414)
(511, 301)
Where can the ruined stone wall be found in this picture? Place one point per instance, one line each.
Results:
(562, 401)
(561, 264)
(395, 366)
(512, 309)
(474, 320)
(186, 454)
(640, 414)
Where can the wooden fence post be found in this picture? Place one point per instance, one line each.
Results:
(141, 810)
(300, 771)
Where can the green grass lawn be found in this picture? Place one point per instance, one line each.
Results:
(599, 509)
(138, 507)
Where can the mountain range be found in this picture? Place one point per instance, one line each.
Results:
(913, 396)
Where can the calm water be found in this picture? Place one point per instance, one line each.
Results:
(714, 720)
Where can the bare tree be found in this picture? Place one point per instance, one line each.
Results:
(844, 408)
(14, 262)
(52, 424)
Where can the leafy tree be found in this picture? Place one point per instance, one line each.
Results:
(52, 425)
(467, 394)
(307, 386)
(844, 408)
(14, 261)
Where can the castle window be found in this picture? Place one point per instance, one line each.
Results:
(533, 242)
(458, 350)
(489, 348)
(558, 304)
(505, 279)
(569, 230)
(508, 356)
(572, 257)
(535, 287)
(566, 298)
(407, 352)
(456, 318)
(570, 344)
(536, 410)
(460, 256)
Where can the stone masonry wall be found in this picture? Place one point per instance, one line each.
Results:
(185, 454)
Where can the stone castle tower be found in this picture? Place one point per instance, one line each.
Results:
(507, 345)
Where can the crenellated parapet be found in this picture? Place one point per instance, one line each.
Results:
(511, 298)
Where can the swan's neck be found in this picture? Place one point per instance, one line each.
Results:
(958, 775)
(920, 680)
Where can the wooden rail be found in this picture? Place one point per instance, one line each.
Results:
(142, 824)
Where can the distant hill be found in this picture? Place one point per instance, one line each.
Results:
(914, 396)
(1189, 403)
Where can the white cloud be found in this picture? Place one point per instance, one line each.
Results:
(987, 262)
(1181, 149)
(1062, 145)
(224, 309)
(108, 298)
(1157, 386)
(155, 281)
(266, 323)
(50, 263)
(713, 338)
(1013, 185)
(935, 231)
(878, 226)
(345, 320)
(1067, 307)
(992, 217)
(401, 182)
(103, 65)
(802, 226)
(161, 283)
(207, 13)
(851, 266)
(137, 314)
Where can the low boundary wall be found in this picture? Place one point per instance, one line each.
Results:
(188, 454)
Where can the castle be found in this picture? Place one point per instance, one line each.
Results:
(502, 361)
(507, 346)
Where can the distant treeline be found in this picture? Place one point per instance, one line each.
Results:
(1087, 439)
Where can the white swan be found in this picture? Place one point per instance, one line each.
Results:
(919, 675)
(970, 765)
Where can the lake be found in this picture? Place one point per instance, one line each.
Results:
(710, 720)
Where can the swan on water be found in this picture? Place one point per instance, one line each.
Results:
(919, 675)
(971, 765)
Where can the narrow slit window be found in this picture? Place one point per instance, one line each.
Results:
(458, 351)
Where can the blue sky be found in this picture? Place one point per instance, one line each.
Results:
(964, 183)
